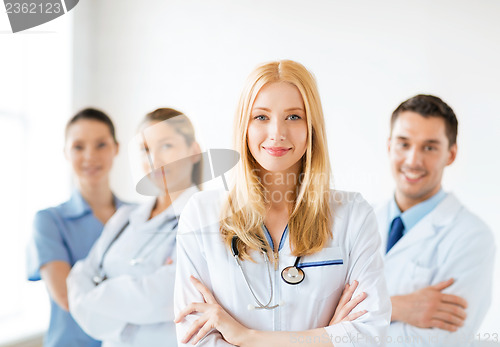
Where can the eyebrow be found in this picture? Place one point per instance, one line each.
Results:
(431, 141)
(102, 138)
(166, 138)
(287, 110)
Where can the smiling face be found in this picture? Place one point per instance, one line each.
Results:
(418, 151)
(91, 149)
(277, 130)
(162, 145)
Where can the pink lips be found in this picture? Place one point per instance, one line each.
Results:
(277, 151)
(91, 170)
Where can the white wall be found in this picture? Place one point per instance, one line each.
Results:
(368, 56)
(35, 95)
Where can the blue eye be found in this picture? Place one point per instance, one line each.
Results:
(166, 146)
(294, 117)
(260, 117)
(101, 145)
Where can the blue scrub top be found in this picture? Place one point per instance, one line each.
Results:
(67, 233)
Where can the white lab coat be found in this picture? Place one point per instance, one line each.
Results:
(449, 242)
(134, 306)
(310, 304)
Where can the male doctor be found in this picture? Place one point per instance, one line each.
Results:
(438, 255)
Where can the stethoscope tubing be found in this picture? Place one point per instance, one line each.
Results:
(98, 279)
(260, 305)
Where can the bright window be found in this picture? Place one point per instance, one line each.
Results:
(35, 101)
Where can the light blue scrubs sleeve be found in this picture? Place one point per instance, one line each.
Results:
(46, 245)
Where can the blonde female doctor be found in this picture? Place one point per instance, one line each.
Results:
(122, 293)
(270, 259)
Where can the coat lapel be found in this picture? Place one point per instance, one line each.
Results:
(382, 214)
(441, 216)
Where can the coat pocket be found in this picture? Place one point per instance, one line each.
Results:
(325, 273)
(421, 276)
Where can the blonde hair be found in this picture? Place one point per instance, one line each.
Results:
(181, 124)
(243, 214)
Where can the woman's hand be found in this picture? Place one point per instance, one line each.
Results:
(347, 303)
(213, 317)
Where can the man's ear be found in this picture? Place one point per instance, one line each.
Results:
(117, 149)
(388, 145)
(453, 154)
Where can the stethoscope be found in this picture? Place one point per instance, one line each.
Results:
(136, 259)
(291, 275)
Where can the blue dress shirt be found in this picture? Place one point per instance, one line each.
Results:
(66, 233)
(414, 214)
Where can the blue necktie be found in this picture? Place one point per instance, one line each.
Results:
(396, 232)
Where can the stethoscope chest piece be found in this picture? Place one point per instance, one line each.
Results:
(136, 261)
(98, 279)
(292, 275)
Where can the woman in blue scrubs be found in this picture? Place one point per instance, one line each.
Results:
(64, 234)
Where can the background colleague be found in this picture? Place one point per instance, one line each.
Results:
(64, 234)
(439, 256)
(274, 255)
(122, 293)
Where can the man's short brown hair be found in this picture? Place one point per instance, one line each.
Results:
(430, 106)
